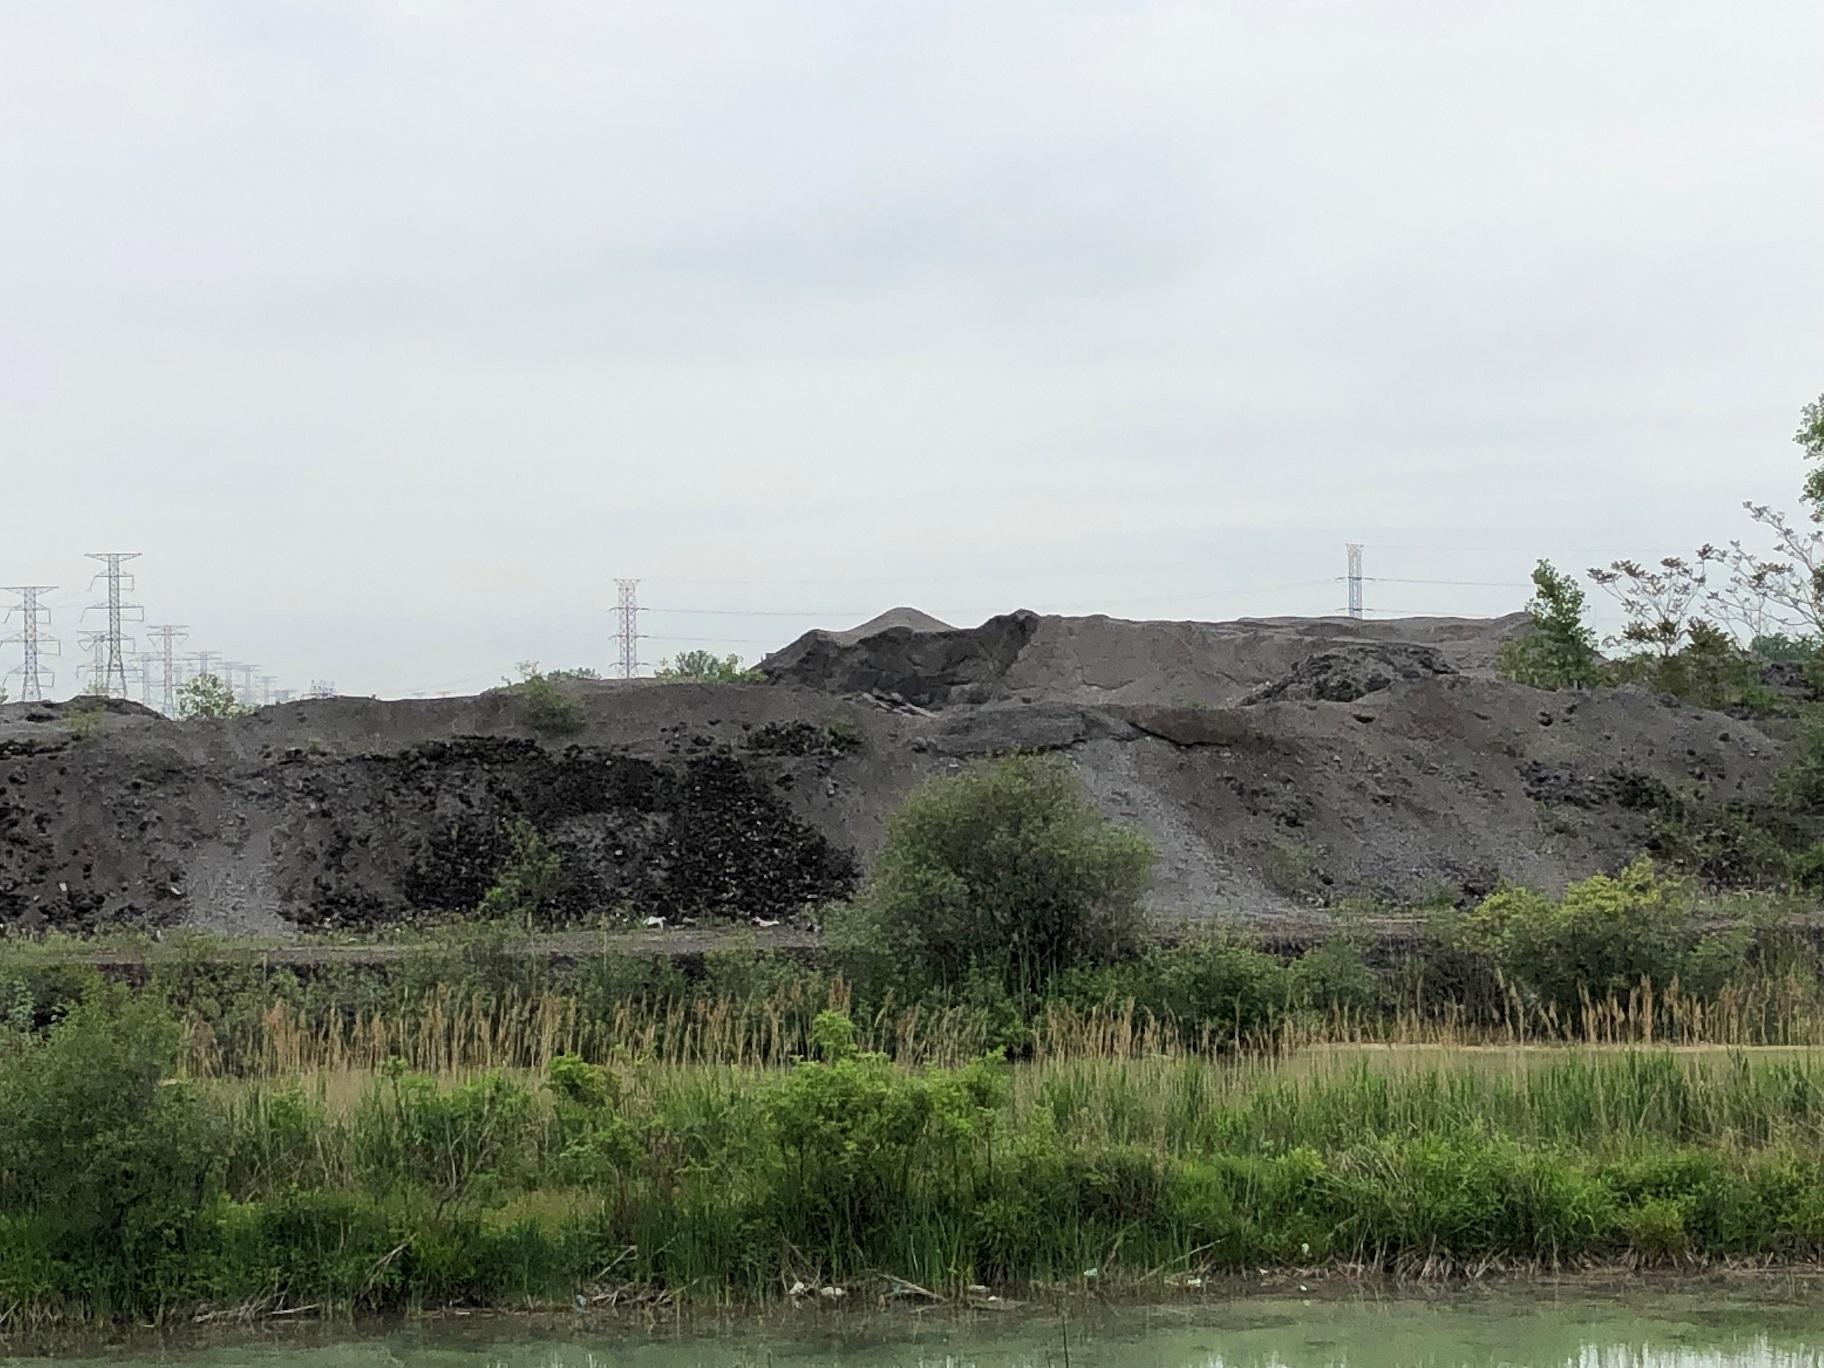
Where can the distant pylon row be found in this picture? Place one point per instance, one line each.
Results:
(113, 661)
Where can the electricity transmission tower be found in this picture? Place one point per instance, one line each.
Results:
(628, 610)
(1355, 580)
(143, 667)
(95, 668)
(266, 683)
(33, 615)
(167, 635)
(114, 645)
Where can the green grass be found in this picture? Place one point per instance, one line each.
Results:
(725, 1184)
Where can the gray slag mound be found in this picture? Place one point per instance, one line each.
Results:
(923, 666)
(1277, 766)
(1348, 673)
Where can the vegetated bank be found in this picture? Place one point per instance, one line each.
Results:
(130, 1194)
(1004, 1086)
(1000, 1077)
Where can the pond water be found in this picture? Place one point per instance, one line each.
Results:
(1775, 1325)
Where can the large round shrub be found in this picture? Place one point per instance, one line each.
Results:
(1007, 867)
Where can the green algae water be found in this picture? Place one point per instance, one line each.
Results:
(1777, 1326)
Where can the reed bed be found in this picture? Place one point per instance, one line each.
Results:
(380, 1167)
(452, 1028)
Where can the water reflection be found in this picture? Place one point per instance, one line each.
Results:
(1516, 1328)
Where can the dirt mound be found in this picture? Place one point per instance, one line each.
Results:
(1277, 766)
(1109, 660)
(928, 668)
(1346, 673)
(349, 813)
(894, 619)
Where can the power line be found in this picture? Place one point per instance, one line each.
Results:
(1465, 584)
(31, 674)
(1355, 579)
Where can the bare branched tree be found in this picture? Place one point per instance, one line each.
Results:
(1659, 602)
(1779, 592)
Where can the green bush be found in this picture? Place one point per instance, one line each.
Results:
(544, 706)
(851, 1130)
(704, 667)
(105, 1159)
(1217, 982)
(1799, 786)
(1008, 866)
(527, 880)
(450, 1141)
(1604, 935)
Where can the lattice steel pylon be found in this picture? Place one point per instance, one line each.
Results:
(115, 645)
(628, 611)
(146, 669)
(226, 672)
(168, 635)
(33, 615)
(1356, 607)
(95, 667)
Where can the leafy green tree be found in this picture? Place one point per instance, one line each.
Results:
(703, 667)
(1560, 652)
(1009, 867)
(1810, 438)
(208, 696)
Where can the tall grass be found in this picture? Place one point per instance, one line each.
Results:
(352, 1183)
(453, 1027)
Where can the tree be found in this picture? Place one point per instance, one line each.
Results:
(1784, 648)
(704, 667)
(1007, 867)
(1560, 653)
(1782, 594)
(207, 696)
(1660, 602)
(1810, 438)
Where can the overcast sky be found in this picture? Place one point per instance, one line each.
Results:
(392, 333)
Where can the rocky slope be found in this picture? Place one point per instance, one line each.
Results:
(1277, 764)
